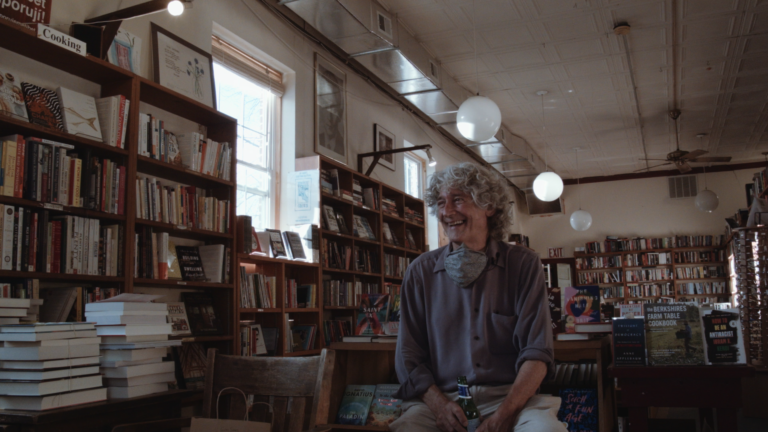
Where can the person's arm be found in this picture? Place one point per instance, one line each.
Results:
(528, 379)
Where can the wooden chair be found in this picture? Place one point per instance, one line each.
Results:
(299, 389)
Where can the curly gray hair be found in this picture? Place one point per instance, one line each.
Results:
(487, 189)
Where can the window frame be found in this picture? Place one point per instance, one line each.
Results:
(422, 173)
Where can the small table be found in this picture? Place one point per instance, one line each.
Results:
(98, 416)
(717, 387)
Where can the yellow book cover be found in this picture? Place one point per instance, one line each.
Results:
(76, 200)
(174, 271)
(9, 166)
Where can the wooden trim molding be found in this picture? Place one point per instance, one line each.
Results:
(666, 173)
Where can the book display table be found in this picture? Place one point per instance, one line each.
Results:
(717, 387)
(98, 416)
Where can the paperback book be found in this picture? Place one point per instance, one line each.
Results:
(80, 114)
(43, 106)
(673, 334)
(190, 264)
(582, 305)
(355, 404)
(177, 317)
(373, 314)
(723, 337)
(203, 320)
(11, 96)
(385, 408)
(629, 342)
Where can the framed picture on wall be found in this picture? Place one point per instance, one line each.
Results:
(182, 67)
(384, 140)
(330, 110)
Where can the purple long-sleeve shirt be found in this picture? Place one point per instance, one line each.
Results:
(484, 332)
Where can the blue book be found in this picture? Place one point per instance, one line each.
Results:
(355, 404)
(578, 408)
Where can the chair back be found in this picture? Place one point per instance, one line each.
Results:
(297, 388)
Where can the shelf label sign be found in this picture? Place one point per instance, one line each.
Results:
(61, 39)
(26, 11)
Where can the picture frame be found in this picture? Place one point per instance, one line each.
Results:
(330, 110)
(182, 67)
(384, 140)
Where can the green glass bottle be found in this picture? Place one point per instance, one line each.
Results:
(468, 405)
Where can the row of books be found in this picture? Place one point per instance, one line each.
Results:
(158, 257)
(614, 244)
(649, 258)
(414, 216)
(300, 295)
(363, 197)
(183, 206)
(371, 405)
(257, 290)
(299, 337)
(52, 172)
(191, 150)
(702, 288)
(336, 330)
(256, 340)
(345, 293)
(104, 120)
(612, 292)
(652, 274)
(35, 241)
(650, 290)
(23, 289)
(598, 262)
(366, 260)
(391, 288)
(389, 207)
(700, 256)
(582, 374)
(395, 266)
(336, 255)
(599, 277)
(703, 300)
(700, 272)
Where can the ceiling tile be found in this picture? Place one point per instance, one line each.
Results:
(710, 51)
(580, 49)
(450, 46)
(522, 58)
(588, 68)
(532, 76)
(460, 68)
(706, 29)
(755, 97)
(640, 14)
(572, 27)
(698, 86)
(703, 69)
(432, 21)
(695, 8)
(513, 35)
(491, 12)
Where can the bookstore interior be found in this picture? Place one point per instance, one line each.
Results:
(210, 208)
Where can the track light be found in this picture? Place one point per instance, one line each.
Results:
(431, 161)
(175, 8)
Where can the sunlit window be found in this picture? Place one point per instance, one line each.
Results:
(414, 173)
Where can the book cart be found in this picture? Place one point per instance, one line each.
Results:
(21, 44)
(669, 286)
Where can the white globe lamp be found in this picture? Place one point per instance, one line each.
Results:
(175, 8)
(581, 220)
(478, 119)
(707, 201)
(548, 186)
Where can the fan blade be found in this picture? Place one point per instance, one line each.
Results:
(683, 167)
(653, 159)
(694, 154)
(712, 159)
(650, 168)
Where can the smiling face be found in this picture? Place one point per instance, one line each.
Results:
(462, 220)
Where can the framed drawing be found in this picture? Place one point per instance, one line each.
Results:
(330, 110)
(384, 140)
(182, 67)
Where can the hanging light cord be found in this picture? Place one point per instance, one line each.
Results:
(474, 41)
(578, 179)
(543, 133)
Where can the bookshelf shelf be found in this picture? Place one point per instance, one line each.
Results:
(646, 267)
(703, 263)
(366, 241)
(302, 310)
(303, 353)
(58, 208)
(181, 231)
(179, 283)
(257, 259)
(168, 100)
(365, 210)
(260, 310)
(188, 339)
(338, 199)
(62, 276)
(599, 269)
(363, 346)
(701, 280)
(340, 307)
(393, 278)
(179, 173)
(353, 272)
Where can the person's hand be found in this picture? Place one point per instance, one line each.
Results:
(500, 421)
(448, 415)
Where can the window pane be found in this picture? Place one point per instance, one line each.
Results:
(412, 177)
(252, 179)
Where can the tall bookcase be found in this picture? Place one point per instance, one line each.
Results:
(307, 212)
(145, 96)
(623, 291)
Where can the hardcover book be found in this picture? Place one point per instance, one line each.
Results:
(582, 305)
(203, 320)
(330, 219)
(355, 404)
(125, 51)
(190, 263)
(293, 241)
(174, 271)
(372, 315)
(385, 408)
(723, 336)
(276, 243)
(629, 342)
(193, 359)
(303, 337)
(11, 96)
(177, 317)
(80, 114)
(673, 334)
(43, 106)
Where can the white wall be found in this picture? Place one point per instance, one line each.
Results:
(639, 207)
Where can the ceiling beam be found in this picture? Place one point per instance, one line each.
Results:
(666, 173)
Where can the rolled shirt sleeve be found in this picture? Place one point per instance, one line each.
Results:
(412, 360)
(533, 333)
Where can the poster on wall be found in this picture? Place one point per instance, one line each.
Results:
(27, 12)
(384, 140)
(182, 67)
(330, 110)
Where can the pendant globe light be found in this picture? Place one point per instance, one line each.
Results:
(706, 200)
(548, 186)
(479, 118)
(580, 220)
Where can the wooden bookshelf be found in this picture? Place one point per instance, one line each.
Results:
(112, 80)
(675, 282)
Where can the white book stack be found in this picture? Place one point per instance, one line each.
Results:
(33, 313)
(14, 309)
(134, 342)
(49, 365)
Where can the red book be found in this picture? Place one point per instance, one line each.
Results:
(56, 247)
(119, 141)
(121, 192)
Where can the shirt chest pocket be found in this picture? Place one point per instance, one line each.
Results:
(500, 331)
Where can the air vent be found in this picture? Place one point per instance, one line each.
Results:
(433, 70)
(537, 207)
(683, 187)
(384, 24)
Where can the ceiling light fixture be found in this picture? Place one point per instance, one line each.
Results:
(431, 161)
(548, 186)
(479, 118)
(175, 8)
(580, 220)
(706, 200)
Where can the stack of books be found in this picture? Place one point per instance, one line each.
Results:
(388, 206)
(414, 216)
(14, 309)
(135, 340)
(33, 313)
(49, 365)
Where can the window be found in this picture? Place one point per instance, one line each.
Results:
(250, 92)
(414, 175)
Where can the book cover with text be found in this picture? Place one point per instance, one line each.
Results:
(673, 334)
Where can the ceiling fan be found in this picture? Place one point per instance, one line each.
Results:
(681, 158)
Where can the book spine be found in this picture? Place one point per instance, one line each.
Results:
(20, 160)
(24, 249)
(9, 166)
(15, 265)
(118, 129)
